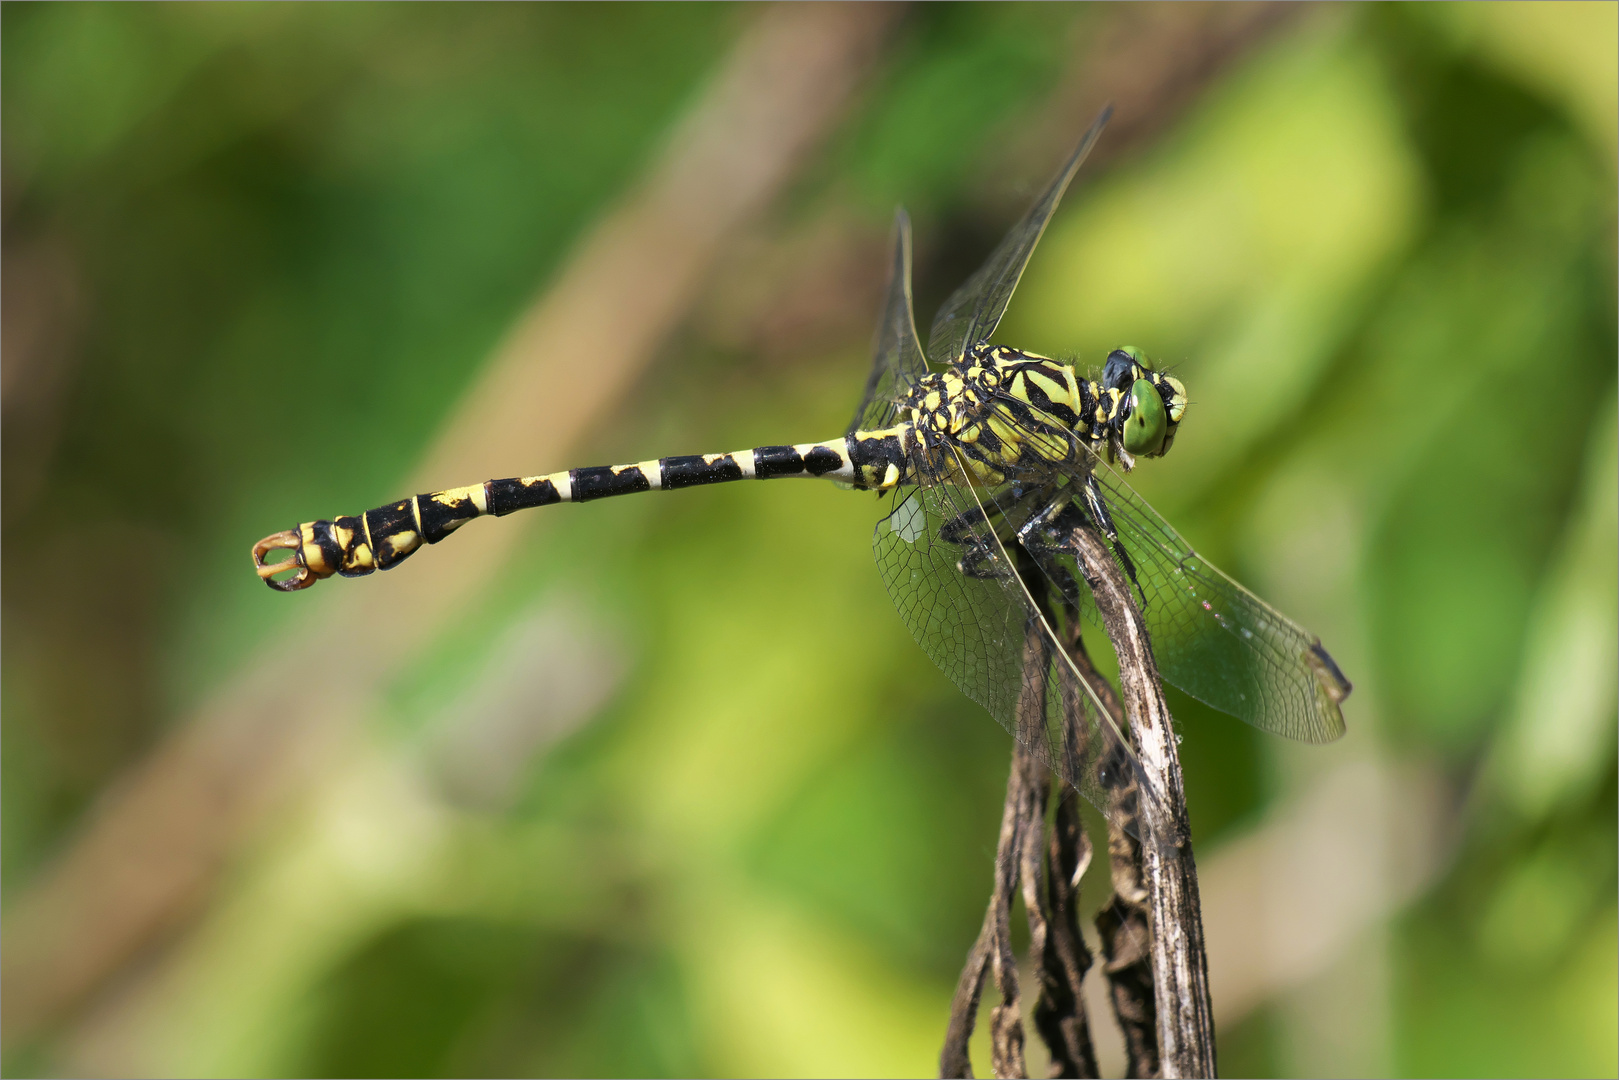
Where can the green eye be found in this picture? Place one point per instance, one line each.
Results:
(1144, 430)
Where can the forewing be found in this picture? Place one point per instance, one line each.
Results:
(1219, 642)
(982, 632)
(973, 311)
(899, 361)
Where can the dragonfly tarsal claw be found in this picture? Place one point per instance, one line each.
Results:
(287, 539)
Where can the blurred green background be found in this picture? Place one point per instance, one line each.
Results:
(680, 796)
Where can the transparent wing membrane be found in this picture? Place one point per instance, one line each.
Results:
(985, 578)
(979, 627)
(1219, 642)
(974, 310)
(899, 360)
(952, 575)
(1210, 636)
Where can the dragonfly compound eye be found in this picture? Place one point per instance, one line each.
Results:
(1145, 426)
(1176, 396)
(1123, 368)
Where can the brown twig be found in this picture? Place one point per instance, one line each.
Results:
(1185, 1019)
(1051, 901)
(1152, 930)
(1124, 925)
(1024, 813)
(1059, 1014)
(1126, 931)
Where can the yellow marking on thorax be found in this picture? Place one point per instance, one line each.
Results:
(1011, 438)
(1054, 390)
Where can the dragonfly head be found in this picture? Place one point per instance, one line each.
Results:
(1151, 403)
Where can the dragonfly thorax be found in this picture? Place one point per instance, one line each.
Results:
(1005, 410)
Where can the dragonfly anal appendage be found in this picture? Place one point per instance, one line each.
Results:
(287, 540)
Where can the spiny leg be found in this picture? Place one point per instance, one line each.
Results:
(979, 558)
(1104, 521)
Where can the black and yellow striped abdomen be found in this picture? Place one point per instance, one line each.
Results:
(1000, 413)
(381, 538)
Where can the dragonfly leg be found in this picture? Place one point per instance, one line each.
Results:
(961, 528)
(978, 558)
(1041, 538)
(1104, 521)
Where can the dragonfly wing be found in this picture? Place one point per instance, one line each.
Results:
(968, 606)
(899, 361)
(1219, 642)
(1210, 636)
(973, 311)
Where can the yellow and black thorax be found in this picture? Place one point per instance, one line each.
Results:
(1008, 412)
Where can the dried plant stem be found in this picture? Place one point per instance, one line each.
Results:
(1059, 1014)
(1050, 902)
(992, 952)
(1151, 931)
(1179, 965)
(1124, 925)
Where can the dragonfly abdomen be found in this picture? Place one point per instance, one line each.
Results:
(382, 538)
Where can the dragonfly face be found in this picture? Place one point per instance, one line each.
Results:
(1153, 402)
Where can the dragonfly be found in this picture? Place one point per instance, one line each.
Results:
(984, 458)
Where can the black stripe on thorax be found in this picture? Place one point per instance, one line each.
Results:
(1039, 399)
(984, 455)
(1087, 400)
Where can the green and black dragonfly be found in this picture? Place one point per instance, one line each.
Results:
(985, 457)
